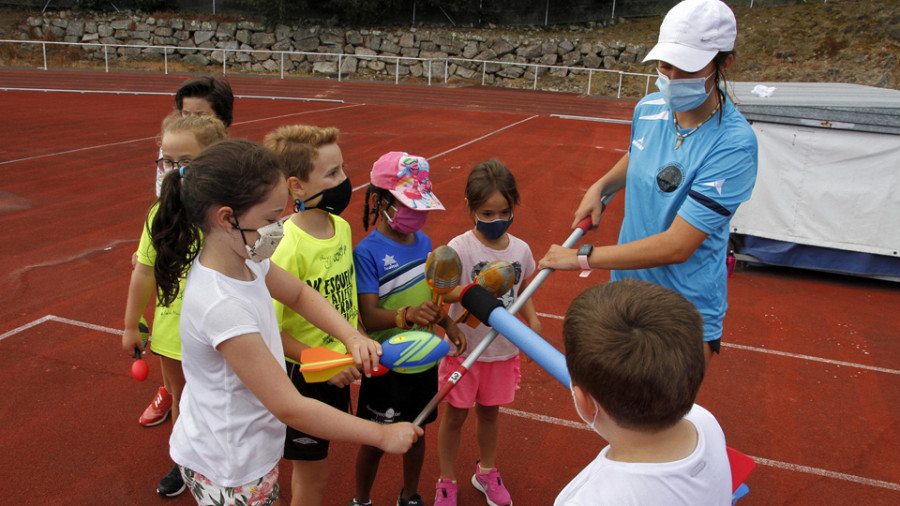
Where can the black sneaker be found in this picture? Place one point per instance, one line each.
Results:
(414, 500)
(172, 484)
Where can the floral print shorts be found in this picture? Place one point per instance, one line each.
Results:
(261, 492)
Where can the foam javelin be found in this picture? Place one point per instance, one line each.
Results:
(583, 226)
(488, 309)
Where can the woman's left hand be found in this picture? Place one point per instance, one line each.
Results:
(559, 258)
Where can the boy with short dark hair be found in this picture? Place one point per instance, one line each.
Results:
(635, 353)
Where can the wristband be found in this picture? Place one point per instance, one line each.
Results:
(400, 318)
(584, 253)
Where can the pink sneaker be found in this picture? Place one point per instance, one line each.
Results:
(445, 493)
(492, 486)
(158, 410)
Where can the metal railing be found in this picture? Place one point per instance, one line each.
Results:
(428, 64)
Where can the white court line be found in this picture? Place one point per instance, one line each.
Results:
(485, 136)
(759, 460)
(808, 357)
(593, 118)
(60, 319)
(142, 139)
(328, 109)
(530, 416)
(25, 327)
(58, 153)
(365, 185)
(826, 473)
(161, 93)
(782, 353)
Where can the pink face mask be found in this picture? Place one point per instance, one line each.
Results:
(406, 220)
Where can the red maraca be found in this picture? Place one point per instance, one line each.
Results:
(139, 369)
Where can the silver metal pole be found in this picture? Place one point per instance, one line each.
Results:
(539, 278)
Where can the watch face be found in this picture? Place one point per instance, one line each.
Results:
(585, 249)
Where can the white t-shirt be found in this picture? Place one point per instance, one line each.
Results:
(224, 432)
(474, 255)
(701, 479)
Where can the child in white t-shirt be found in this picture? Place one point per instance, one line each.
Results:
(237, 398)
(635, 353)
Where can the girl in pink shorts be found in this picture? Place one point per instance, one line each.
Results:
(492, 381)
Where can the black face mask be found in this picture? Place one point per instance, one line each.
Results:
(334, 200)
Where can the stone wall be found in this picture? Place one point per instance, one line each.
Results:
(508, 55)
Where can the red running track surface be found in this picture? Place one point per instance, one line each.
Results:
(808, 381)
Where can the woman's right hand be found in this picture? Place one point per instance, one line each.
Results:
(590, 206)
(399, 437)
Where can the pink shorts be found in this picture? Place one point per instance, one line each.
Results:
(261, 492)
(487, 383)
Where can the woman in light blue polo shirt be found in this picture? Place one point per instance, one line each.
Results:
(692, 160)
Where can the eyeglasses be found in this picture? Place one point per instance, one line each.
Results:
(166, 164)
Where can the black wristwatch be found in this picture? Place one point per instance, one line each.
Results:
(584, 253)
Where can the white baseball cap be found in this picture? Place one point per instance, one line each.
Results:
(692, 34)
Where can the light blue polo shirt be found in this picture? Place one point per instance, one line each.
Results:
(703, 181)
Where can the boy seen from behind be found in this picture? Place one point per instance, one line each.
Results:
(634, 351)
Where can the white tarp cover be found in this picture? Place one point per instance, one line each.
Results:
(823, 187)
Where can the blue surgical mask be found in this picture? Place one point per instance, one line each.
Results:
(493, 230)
(683, 94)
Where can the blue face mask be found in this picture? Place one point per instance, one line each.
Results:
(683, 94)
(493, 230)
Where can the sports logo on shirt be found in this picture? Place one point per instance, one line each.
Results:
(389, 262)
(669, 178)
(716, 184)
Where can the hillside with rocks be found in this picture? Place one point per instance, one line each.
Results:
(851, 41)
